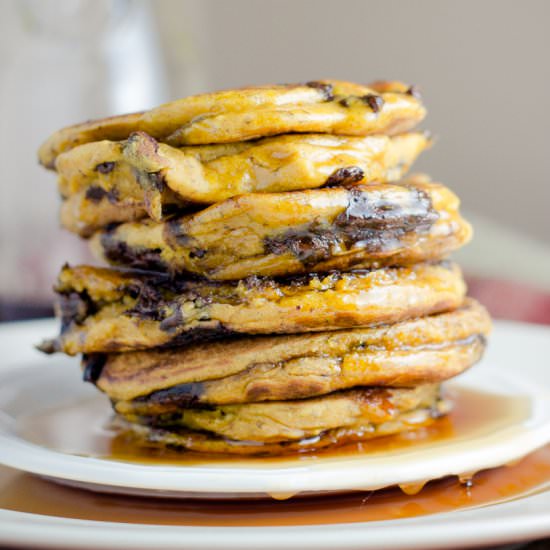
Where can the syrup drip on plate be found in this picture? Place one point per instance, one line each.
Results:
(26, 493)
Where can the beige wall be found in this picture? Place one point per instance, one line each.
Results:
(483, 66)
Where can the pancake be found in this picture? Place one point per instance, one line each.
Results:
(106, 310)
(278, 421)
(279, 234)
(106, 181)
(421, 351)
(205, 442)
(327, 106)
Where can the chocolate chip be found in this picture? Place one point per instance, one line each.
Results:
(93, 366)
(345, 102)
(342, 176)
(309, 246)
(197, 253)
(375, 102)
(414, 91)
(371, 222)
(95, 193)
(171, 323)
(105, 167)
(174, 233)
(73, 308)
(119, 252)
(326, 89)
(176, 397)
(151, 180)
(199, 335)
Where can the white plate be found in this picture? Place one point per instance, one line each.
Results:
(33, 384)
(517, 363)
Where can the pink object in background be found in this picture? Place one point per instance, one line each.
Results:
(511, 300)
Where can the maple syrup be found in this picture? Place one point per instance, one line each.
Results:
(82, 431)
(26, 493)
(85, 428)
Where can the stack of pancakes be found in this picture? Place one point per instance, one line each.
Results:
(279, 286)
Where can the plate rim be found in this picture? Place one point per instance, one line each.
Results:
(468, 527)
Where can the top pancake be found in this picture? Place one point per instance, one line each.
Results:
(327, 106)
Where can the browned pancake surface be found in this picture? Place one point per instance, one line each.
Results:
(328, 106)
(104, 182)
(105, 310)
(280, 234)
(295, 420)
(421, 351)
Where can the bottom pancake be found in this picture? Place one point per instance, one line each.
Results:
(294, 426)
(276, 421)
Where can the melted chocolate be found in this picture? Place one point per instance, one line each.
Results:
(414, 91)
(364, 213)
(97, 194)
(105, 167)
(182, 395)
(375, 102)
(372, 223)
(326, 90)
(150, 181)
(197, 253)
(342, 176)
(200, 334)
(138, 258)
(148, 301)
(74, 307)
(145, 144)
(310, 247)
(93, 366)
(174, 232)
(172, 322)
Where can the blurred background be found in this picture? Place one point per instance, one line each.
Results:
(483, 69)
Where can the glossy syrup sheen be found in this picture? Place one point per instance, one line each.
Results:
(82, 432)
(83, 428)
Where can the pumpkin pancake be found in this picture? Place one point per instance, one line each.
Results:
(279, 234)
(421, 351)
(106, 181)
(106, 310)
(275, 421)
(327, 106)
(205, 442)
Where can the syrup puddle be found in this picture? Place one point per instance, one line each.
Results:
(26, 493)
(80, 429)
(83, 429)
